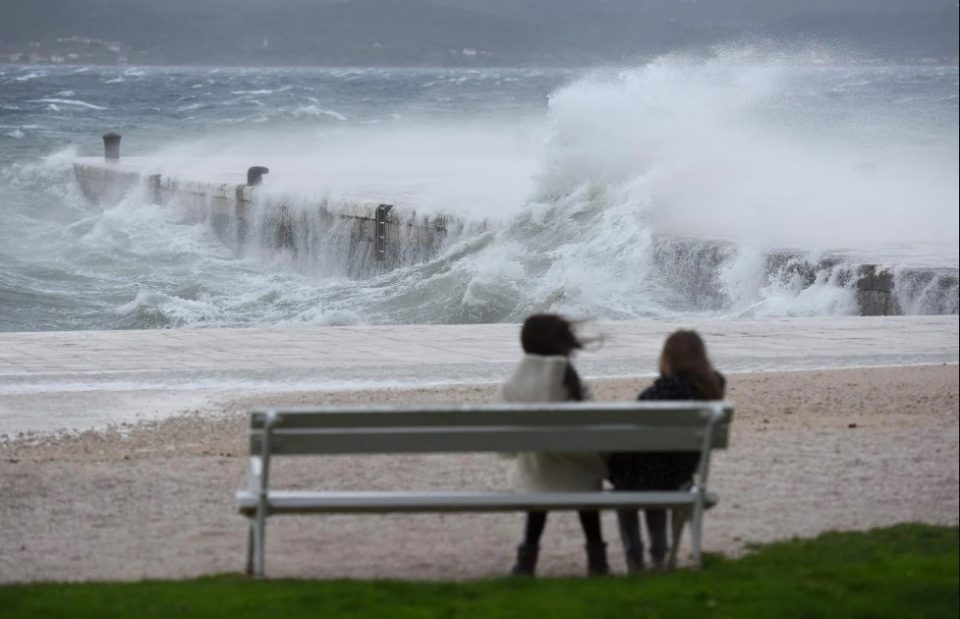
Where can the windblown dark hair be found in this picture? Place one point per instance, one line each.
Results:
(685, 356)
(550, 334)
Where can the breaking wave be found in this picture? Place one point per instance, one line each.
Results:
(745, 184)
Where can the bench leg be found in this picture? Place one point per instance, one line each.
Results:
(248, 568)
(696, 533)
(258, 530)
(678, 519)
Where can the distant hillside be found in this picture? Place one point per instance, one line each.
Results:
(455, 32)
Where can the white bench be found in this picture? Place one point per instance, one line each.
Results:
(602, 427)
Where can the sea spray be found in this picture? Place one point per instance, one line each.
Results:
(743, 184)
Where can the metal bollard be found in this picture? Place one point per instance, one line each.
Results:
(255, 174)
(111, 146)
(380, 231)
(156, 192)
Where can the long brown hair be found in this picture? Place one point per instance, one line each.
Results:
(685, 356)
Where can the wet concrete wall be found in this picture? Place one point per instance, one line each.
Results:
(368, 236)
(364, 238)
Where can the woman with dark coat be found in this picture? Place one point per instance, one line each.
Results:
(685, 374)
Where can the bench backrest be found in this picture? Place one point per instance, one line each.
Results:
(565, 427)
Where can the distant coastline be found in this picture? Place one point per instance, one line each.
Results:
(558, 66)
(464, 33)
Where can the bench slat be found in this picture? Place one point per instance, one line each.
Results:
(555, 414)
(485, 439)
(300, 502)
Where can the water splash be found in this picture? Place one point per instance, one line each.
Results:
(743, 184)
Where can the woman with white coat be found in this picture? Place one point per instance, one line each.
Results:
(545, 374)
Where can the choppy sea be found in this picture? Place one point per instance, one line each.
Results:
(582, 173)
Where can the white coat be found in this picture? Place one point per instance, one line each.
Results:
(539, 378)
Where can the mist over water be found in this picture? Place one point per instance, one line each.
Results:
(770, 151)
(594, 188)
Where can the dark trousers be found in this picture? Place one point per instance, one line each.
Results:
(537, 521)
(629, 521)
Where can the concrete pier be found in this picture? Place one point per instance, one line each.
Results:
(880, 290)
(366, 235)
(375, 234)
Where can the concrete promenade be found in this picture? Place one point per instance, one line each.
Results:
(89, 379)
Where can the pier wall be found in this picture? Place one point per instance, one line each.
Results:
(696, 268)
(362, 238)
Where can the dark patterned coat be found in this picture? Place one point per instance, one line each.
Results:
(668, 470)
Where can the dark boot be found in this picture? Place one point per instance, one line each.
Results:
(597, 559)
(657, 530)
(526, 563)
(628, 521)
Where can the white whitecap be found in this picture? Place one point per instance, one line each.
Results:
(30, 76)
(313, 110)
(73, 102)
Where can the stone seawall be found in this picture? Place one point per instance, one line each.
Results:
(696, 267)
(368, 236)
(360, 238)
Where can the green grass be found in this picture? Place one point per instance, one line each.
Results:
(904, 571)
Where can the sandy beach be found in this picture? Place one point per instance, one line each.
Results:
(810, 451)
